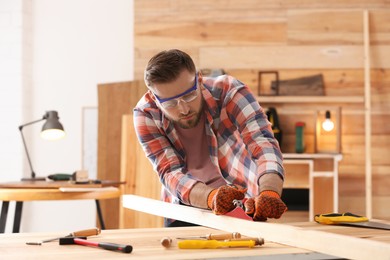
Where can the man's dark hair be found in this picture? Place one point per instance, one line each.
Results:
(166, 66)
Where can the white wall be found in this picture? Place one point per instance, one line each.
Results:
(15, 76)
(76, 44)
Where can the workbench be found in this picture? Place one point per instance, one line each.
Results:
(146, 245)
(343, 242)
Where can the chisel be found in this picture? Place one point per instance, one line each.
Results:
(80, 233)
(213, 244)
(214, 236)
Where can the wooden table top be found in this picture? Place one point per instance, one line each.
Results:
(145, 242)
(41, 190)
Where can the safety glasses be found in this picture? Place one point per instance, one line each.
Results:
(187, 96)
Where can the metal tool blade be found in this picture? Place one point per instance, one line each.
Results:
(85, 232)
(367, 224)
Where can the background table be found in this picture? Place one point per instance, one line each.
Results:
(43, 190)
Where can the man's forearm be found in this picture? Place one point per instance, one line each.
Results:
(199, 194)
(271, 181)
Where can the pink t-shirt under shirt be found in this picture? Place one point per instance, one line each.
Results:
(199, 163)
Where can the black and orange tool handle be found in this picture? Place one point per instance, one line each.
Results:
(223, 236)
(85, 233)
(105, 245)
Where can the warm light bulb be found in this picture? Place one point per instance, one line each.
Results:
(52, 134)
(328, 125)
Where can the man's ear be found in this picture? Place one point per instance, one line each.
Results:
(152, 96)
(200, 77)
(155, 100)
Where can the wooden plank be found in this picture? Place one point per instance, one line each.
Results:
(140, 178)
(191, 15)
(206, 34)
(114, 100)
(338, 245)
(367, 115)
(318, 26)
(310, 99)
(286, 57)
(337, 82)
(379, 26)
(284, 4)
(356, 184)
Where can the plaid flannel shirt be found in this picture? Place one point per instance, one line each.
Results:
(240, 139)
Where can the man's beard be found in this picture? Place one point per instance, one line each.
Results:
(187, 124)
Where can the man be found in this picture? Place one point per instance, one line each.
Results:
(208, 140)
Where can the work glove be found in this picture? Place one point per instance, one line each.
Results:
(267, 205)
(220, 200)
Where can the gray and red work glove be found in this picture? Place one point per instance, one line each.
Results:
(221, 200)
(267, 205)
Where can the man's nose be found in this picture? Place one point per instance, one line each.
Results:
(184, 108)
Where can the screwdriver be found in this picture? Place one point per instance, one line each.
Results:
(80, 233)
(213, 244)
(210, 236)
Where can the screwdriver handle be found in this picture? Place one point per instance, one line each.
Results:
(85, 232)
(258, 240)
(223, 236)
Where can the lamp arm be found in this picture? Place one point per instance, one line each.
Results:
(25, 145)
(30, 123)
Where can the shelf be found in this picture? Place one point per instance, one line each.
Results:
(310, 99)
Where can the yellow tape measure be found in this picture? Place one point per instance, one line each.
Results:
(335, 218)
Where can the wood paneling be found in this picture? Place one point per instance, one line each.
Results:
(297, 38)
(290, 57)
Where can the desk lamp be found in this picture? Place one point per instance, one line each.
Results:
(51, 130)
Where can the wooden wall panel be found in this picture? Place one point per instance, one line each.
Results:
(345, 27)
(217, 33)
(337, 81)
(297, 38)
(290, 57)
(325, 27)
(244, 5)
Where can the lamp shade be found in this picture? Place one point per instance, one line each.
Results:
(52, 129)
